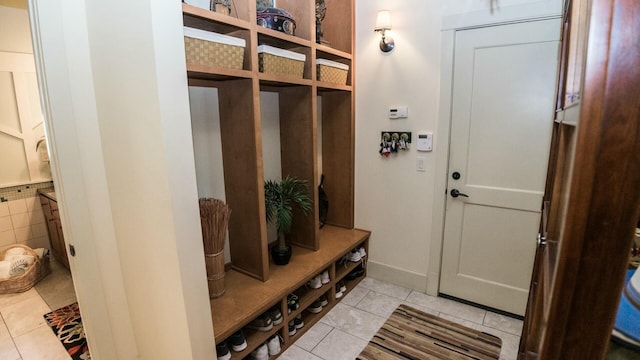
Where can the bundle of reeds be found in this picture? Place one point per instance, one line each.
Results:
(214, 219)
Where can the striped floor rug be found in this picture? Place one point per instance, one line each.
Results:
(412, 334)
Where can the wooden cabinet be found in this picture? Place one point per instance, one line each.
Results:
(305, 105)
(54, 227)
(592, 199)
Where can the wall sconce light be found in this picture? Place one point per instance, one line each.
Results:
(383, 23)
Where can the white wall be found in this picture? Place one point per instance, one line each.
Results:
(207, 144)
(123, 164)
(393, 200)
(15, 35)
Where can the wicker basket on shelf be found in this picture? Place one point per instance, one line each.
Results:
(34, 273)
(272, 60)
(213, 49)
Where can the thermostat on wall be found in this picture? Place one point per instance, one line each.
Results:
(397, 112)
(425, 142)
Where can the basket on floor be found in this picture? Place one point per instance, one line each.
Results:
(34, 273)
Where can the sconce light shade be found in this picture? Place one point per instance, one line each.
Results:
(383, 23)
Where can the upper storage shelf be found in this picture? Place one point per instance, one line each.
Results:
(335, 43)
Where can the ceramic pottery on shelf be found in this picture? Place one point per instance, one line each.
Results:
(321, 12)
(263, 4)
(277, 19)
(280, 256)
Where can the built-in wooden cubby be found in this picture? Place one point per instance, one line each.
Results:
(246, 298)
(254, 284)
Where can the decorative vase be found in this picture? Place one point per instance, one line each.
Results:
(281, 257)
(321, 12)
(263, 4)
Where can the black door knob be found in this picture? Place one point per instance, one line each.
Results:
(455, 193)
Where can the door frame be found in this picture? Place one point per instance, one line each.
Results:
(544, 10)
(127, 290)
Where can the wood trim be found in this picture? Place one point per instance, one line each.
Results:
(564, 56)
(298, 153)
(242, 156)
(604, 199)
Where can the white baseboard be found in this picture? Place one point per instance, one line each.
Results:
(397, 276)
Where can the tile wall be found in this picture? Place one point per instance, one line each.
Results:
(21, 219)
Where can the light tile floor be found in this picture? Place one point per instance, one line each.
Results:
(343, 332)
(24, 333)
(340, 334)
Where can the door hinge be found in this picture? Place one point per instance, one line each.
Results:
(541, 240)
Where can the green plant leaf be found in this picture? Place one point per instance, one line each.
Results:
(280, 198)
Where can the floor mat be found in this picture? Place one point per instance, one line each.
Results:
(67, 325)
(412, 334)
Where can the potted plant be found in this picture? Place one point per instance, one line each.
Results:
(280, 197)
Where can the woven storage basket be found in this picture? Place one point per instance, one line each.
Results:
(38, 270)
(279, 61)
(332, 72)
(208, 48)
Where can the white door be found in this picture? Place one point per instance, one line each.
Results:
(502, 115)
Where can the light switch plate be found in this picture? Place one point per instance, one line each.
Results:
(420, 163)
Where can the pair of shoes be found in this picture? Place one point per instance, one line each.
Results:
(316, 306)
(262, 323)
(298, 323)
(323, 300)
(222, 351)
(354, 256)
(275, 314)
(270, 348)
(292, 303)
(261, 353)
(362, 252)
(340, 289)
(324, 277)
(292, 328)
(237, 341)
(315, 282)
(357, 254)
(355, 273)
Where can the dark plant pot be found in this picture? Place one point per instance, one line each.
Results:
(281, 257)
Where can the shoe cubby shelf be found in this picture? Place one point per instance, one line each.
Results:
(254, 339)
(247, 298)
(307, 297)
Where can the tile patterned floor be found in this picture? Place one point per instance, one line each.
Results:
(343, 332)
(24, 334)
